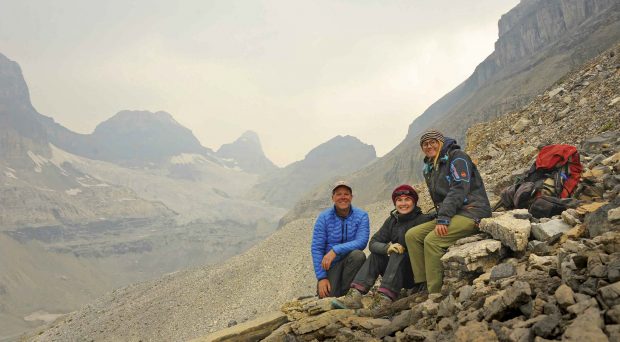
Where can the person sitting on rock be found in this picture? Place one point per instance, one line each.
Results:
(338, 240)
(388, 256)
(460, 200)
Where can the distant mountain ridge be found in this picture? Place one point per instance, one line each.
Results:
(337, 157)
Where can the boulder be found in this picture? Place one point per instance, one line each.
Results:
(503, 270)
(399, 322)
(546, 230)
(610, 294)
(582, 306)
(586, 327)
(513, 297)
(476, 256)
(598, 223)
(513, 232)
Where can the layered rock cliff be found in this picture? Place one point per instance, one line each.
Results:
(539, 42)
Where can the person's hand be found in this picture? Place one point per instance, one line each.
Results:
(441, 229)
(327, 260)
(395, 248)
(324, 288)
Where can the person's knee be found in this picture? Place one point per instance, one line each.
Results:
(357, 256)
(413, 235)
(431, 241)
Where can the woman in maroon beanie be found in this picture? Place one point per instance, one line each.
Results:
(388, 255)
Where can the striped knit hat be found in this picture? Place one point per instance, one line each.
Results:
(431, 134)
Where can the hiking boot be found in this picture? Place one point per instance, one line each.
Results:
(419, 288)
(352, 300)
(379, 301)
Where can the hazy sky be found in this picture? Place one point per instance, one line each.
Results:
(296, 72)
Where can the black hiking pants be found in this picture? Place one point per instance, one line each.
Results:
(395, 269)
(341, 274)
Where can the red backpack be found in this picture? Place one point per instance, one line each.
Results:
(553, 176)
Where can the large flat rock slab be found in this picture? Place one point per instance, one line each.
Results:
(254, 330)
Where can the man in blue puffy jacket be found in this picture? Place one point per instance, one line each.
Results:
(338, 240)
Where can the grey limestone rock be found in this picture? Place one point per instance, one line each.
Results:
(475, 256)
(544, 231)
(510, 230)
(503, 270)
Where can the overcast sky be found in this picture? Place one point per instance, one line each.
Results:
(296, 72)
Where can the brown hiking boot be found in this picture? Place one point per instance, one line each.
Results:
(379, 301)
(352, 300)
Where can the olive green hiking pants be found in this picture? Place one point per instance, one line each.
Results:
(426, 248)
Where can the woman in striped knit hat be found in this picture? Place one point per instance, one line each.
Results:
(460, 201)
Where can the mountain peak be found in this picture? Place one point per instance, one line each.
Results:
(14, 88)
(139, 136)
(247, 153)
(131, 119)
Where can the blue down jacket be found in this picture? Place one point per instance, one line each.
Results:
(343, 235)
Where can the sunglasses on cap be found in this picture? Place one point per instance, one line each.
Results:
(404, 192)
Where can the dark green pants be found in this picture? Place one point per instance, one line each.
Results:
(426, 248)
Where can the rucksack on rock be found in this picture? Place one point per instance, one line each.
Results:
(554, 175)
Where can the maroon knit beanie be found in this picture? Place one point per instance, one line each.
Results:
(405, 190)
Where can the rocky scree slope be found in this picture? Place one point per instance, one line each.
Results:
(582, 104)
(539, 42)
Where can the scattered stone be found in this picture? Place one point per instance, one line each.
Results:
(465, 293)
(520, 125)
(613, 215)
(582, 306)
(398, 323)
(564, 296)
(546, 327)
(475, 332)
(597, 222)
(503, 270)
(544, 231)
(587, 327)
(538, 247)
(545, 263)
(610, 294)
(613, 314)
(569, 217)
(513, 297)
(556, 91)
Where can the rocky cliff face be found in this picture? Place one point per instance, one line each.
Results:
(539, 42)
(334, 158)
(247, 154)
